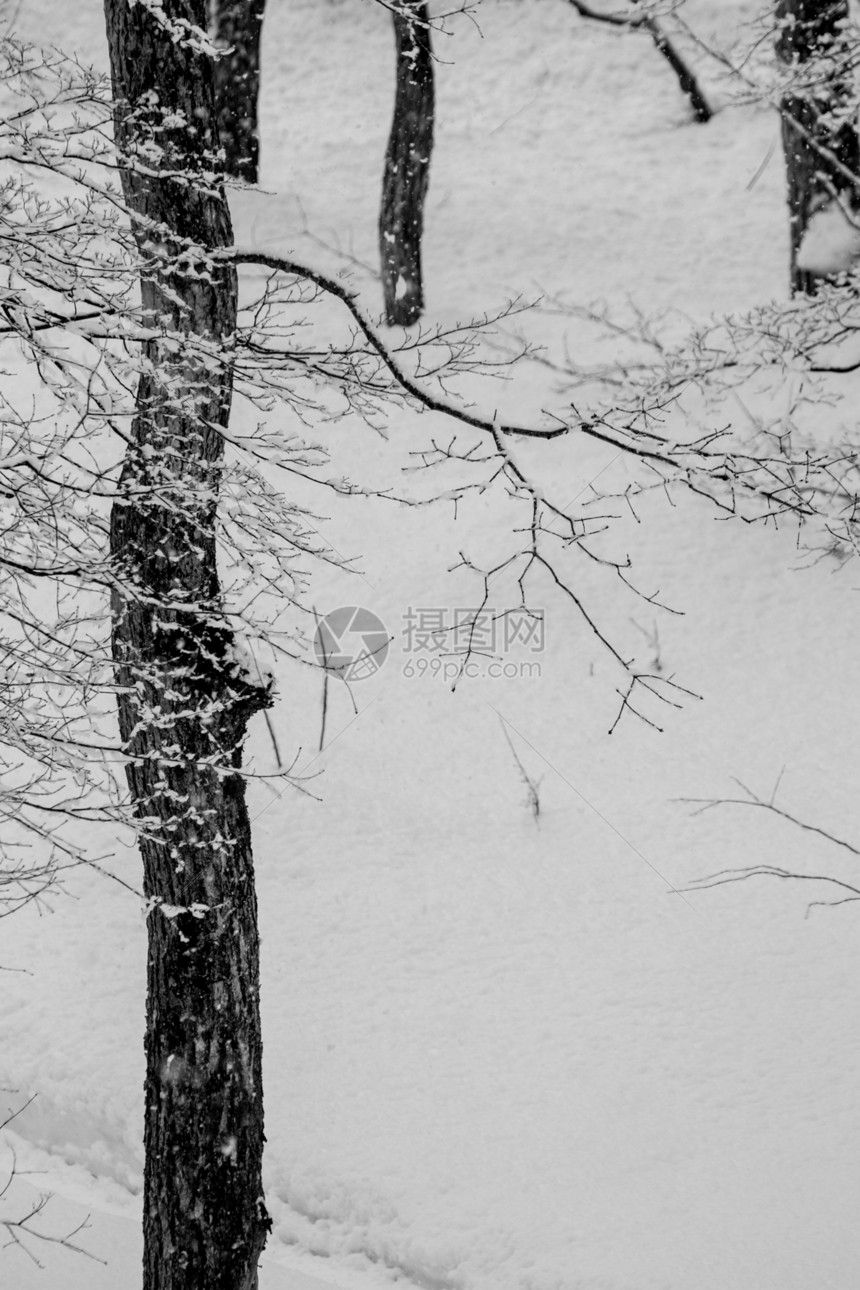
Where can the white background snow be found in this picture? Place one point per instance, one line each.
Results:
(501, 1054)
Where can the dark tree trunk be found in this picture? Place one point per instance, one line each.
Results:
(686, 77)
(183, 706)
(407, 166)
(235, 26)
(820, 144)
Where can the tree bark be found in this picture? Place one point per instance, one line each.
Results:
(819, 131)
(183, 705)
(407, 166)
(236, 26)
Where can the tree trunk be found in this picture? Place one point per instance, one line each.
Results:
(235, 27)
(407, 166)
(183, 705)
(686, 77)
(820, 144)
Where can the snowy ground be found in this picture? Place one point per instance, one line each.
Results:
(499, 1052)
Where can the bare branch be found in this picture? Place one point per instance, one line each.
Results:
(725, 877)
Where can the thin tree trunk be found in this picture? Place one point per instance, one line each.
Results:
(817, 139)
(236, 26)
(407, 166)
(686, 76)
(183, 707)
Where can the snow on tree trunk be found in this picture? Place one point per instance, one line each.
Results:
(236, 26)
(819, 132)
(183, 708)
(407, 166)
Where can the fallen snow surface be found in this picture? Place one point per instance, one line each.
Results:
(506, 1053)
(831, 243)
